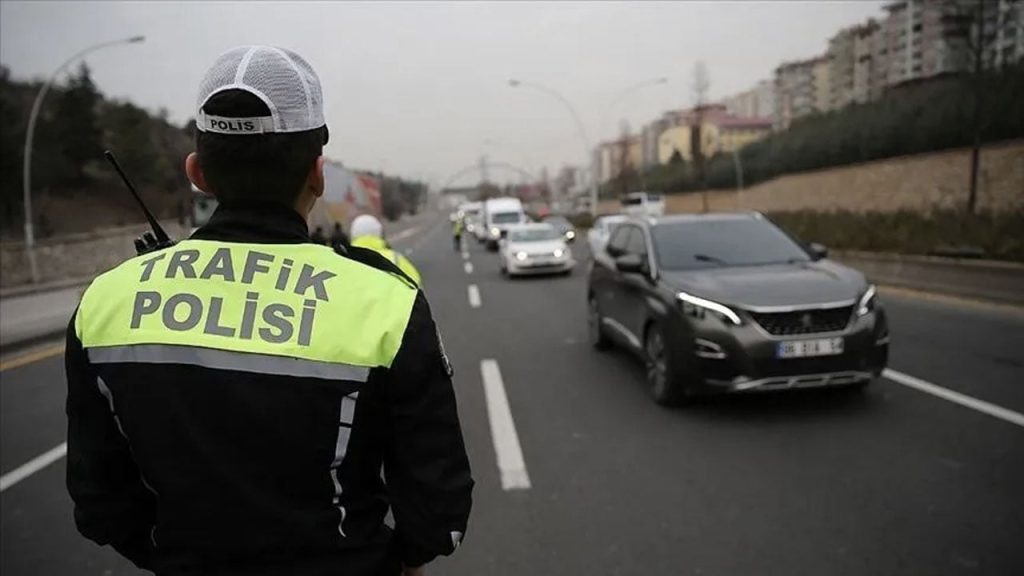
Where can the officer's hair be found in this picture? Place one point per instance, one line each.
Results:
(255, 168)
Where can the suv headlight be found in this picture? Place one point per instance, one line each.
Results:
(521, 256)
(696, 307)
(867, 302)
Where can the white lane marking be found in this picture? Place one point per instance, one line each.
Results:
(503, 430)
(465, 255)
(404, 234)
(32, 466)
(468, 267)
(474, 296)
(955, 397)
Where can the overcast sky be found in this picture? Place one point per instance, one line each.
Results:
(420, 88)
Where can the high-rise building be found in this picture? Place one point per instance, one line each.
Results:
(649, 140)
(757, 102)
(822, 85)
(796, 91)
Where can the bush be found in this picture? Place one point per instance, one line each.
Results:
(994, 235)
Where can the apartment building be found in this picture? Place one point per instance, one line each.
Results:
(757, 102)
(797, 90)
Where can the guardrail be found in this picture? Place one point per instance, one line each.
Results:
(989, 280)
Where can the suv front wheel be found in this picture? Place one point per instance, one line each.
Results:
(663, 375)
(595, 326)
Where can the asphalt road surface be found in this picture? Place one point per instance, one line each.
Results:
(579, 472)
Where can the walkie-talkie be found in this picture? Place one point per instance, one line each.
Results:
(150, 241)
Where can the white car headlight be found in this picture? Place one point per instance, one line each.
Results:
(521, 256)
(569, 235)
(696, 306)
(559, 253)
(867, 301)
(495, 232)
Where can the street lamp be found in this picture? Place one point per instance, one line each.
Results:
(30, 239)
(587, 148)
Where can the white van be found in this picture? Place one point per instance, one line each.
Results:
(499, 215)
(641, 204)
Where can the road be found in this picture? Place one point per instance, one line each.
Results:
(894, 481)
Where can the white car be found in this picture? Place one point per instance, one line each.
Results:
(535, 249)
(602, 229)
(643, 204)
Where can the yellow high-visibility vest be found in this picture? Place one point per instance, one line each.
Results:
(295, 309)
(380, 246)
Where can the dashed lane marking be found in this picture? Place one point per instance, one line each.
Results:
(503, 429)
(32, 466)
(468, 267)
(30, 357)
(474, 296)
(955, 397)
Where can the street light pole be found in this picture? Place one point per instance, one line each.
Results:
(580, 128)
(30, 238)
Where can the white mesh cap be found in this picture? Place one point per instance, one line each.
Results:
(282, 79)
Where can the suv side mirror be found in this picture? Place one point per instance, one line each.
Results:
(631, 264)
(819, 251)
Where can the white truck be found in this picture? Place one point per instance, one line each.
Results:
(499, 215)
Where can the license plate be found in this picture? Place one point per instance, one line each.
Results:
(809, 348)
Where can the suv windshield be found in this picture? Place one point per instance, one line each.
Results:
(505, 218)
(533, 235)
(714, 243)
(632, 200)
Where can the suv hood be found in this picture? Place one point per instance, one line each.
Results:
(797, 284)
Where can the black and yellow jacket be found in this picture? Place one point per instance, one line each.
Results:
(247, 402)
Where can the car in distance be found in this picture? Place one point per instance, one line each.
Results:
(535, 249)
(641, 204)
(470, 214)
(731, 303)
(602, 228)
(562, 225)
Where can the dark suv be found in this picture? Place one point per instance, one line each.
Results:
(729, 303)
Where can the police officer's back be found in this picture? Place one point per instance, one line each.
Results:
(232, 400)
(368, 232)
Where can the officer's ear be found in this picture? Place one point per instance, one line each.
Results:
(195, 173)
(315, 181)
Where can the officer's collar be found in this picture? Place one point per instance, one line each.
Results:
(259, 223)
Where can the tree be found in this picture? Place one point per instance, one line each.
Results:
(11, 140)
(78, 128)
(701, 85)
(974, 32)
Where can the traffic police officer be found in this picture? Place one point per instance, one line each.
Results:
(368, 232)
(248, 402)
(457, 233)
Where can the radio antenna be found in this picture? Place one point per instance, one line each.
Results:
(158, 230)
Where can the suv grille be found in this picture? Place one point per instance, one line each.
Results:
(804, 321)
